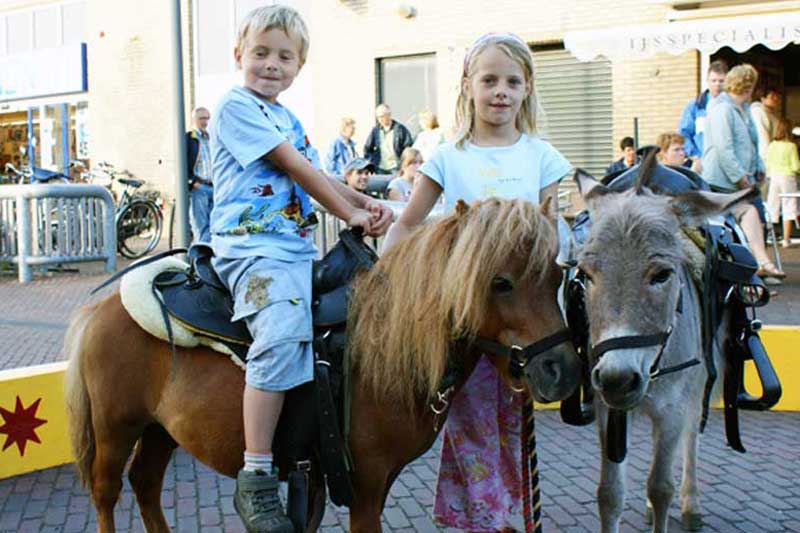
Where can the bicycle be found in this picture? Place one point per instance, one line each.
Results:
(139, 218)
(34, 175)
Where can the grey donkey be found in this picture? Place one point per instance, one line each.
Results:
(638, 283)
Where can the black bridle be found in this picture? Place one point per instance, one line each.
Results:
(659, 339)
(519, 357)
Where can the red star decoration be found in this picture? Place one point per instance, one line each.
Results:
(20, 425)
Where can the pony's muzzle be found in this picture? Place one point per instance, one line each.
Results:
(554, 374)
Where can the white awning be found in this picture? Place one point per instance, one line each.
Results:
(708, 35)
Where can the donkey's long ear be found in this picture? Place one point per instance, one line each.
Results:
(693, 208)
(591, 189)
(646, 169)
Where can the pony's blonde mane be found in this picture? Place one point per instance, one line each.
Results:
(434, 287)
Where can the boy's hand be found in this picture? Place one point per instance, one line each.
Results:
(361, 219)
(381, 217)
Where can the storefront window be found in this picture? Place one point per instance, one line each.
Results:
(408, 85)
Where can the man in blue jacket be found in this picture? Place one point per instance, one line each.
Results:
(386, 142)
(198, 161)
(693, 120)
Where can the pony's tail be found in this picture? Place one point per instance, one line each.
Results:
(79, 409)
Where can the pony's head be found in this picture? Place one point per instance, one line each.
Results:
(487, 270)
(632, 260)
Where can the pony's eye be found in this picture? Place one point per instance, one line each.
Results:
(662, 276)
(502, 285)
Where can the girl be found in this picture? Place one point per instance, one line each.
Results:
(430, 137)
(495, 152)
(399, 189)
(783, 165)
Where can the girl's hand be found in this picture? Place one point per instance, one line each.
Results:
(381, 217)
(361, 219)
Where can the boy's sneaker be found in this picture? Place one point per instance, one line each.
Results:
(256, 500)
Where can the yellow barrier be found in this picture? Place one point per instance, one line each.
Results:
(33, 423)
(33, 429)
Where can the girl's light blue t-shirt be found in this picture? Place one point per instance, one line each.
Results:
(258, 209)
(473, 172)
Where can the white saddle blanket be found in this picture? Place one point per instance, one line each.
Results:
(136, 292)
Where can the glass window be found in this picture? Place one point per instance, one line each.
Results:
(73, 22)
(19, 32)
(408, 86)
(215, 39)
(46, 28)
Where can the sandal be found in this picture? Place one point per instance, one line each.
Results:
(768, 269)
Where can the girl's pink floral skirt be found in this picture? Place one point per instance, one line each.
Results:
(480, 474)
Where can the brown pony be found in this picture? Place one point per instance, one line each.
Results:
(488, 270)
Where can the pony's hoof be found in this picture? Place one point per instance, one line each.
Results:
(648, 515)
(692, 521)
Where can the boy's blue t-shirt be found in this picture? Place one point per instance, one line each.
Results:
(473, 172)
(258, 209)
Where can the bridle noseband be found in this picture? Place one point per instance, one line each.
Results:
(519, 357)
(645, 341)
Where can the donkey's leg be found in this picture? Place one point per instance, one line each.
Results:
(667, 429)
(146, 475)
(113, 447)
(611, 490)
(691, 516)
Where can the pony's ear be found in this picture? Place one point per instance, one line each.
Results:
(693, 208)
(589, 187)
(461, 207)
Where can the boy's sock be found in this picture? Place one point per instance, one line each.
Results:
(258, 461)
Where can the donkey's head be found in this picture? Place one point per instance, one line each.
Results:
(632, 260)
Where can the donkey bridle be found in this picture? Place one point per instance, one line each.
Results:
(645, 341)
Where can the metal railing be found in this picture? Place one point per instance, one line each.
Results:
(51, 224)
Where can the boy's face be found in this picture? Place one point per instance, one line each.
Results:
(357, 179)
(270, 61)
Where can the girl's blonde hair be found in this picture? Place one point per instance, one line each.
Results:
(346, 121)
(428, 120)
(282, 17)
(408, 157)
(516, 49)
(741, 79)
(783, 130)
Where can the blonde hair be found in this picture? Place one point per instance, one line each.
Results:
(428, 120)
(516, 49)
(665, 140)
(346, 121)
(403, 325)
(408, 157)
(281, 17)
(741, 79)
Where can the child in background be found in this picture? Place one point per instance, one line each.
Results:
(783, 166)
(264, 169)
(496, 152)
(356, 174)
(399, 189)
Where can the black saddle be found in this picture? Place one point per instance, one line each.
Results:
(310, 426)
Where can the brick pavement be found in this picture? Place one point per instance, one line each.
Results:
(754, 492)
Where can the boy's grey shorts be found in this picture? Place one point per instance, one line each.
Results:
(274, 299)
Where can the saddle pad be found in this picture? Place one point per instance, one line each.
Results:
(136, 293)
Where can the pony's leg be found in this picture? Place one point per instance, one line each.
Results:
(370, 489)
(691, 516)
(611, 490)
(667, 431)
(146, 475)
(113, 448)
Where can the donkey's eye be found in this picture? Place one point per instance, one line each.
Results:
(502, 285)
(662, 276)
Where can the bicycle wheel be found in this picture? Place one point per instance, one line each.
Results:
(138, 229)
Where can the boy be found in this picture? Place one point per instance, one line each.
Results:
(261, 235)
(356, 174)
